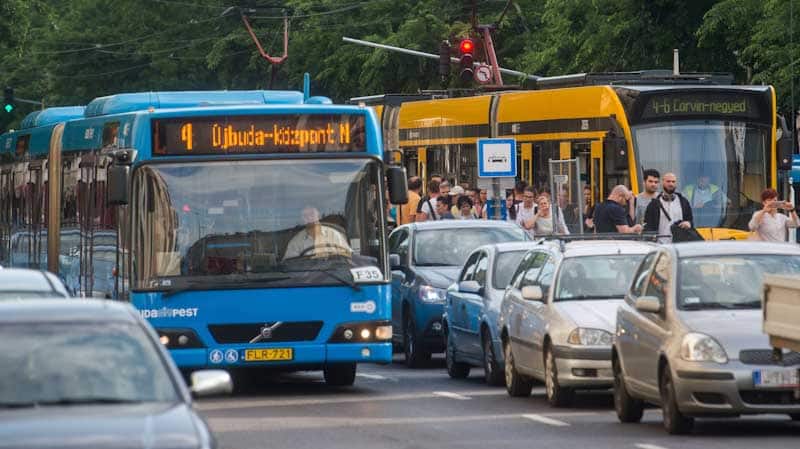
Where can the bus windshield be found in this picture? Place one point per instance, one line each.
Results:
(721, 166)
(239, 224)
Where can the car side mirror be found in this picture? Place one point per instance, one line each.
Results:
(472, 287)
(394, 261)
(211, 382)
(533, 293)
(649, 304)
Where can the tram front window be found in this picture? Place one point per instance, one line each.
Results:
(276, 223)
(722, 166)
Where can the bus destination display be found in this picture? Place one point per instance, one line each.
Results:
(303, 133)
(701, 104)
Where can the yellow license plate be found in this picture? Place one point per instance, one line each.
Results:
(268, 355)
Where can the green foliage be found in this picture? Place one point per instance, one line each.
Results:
(70, 51)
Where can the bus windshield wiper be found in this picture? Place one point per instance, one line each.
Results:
(435, 264)
(69, 401)
(222, 281)
(350, 282)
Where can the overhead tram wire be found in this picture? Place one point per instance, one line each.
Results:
(116, 44)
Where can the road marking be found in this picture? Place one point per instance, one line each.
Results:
(370, 376)
(448, 394)
(224, 424)
(545, 420)
(648, 446)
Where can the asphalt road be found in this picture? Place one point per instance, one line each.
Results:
(395, 407)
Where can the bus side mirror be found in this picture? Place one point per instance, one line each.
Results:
(398, 184)
(118, 177)
(784, 149)
(618, 148)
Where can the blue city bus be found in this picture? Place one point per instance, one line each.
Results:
(248, 227)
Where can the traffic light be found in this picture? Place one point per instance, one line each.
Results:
(8, 100)
(444, 59)
(467, 51)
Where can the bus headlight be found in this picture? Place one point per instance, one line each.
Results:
(362, 332)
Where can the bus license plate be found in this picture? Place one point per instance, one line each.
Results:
(268, 355)
(775, 378)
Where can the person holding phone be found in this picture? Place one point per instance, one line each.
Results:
(767, 224)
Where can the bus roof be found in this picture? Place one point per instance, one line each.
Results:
(142, 101)
(51, 116)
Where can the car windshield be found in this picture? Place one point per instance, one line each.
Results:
(595, 277)
(27, 294)
(267, 223)
(504, 266)
(721, 166)
(729, 282)
(97, 362)
(450, 247)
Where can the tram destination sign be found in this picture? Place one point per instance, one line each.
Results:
(262, 134)
(670, 105)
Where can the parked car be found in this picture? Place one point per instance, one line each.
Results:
(425, 259)
(472, 308)
(562, 335)
(92, 374)
(24, 283)
(689, 335)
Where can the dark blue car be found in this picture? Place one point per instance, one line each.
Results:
(473, 307)
(426, 258)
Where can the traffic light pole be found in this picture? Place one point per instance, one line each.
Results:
(24, 100)
(433, 56)
(489, 46)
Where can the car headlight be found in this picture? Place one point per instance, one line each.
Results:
(432, 294)
(589, 337)
(702, 348)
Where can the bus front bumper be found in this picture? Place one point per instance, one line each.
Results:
(306, 355)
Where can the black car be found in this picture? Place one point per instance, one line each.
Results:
(426, 258)
(93, 374)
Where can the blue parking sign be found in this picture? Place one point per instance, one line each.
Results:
(497, 158)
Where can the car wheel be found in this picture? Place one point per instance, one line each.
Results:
(628, 408)
(675, 422)
(493, 372)
(456, 370)
(557, 395)
(415, 356)
(340, 375)
(516, 384)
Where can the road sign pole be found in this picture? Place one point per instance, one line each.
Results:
(497, 198)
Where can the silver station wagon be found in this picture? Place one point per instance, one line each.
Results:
(562, 334)
(689, 335)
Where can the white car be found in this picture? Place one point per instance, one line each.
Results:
(557, 316)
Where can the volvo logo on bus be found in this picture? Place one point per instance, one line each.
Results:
(266, 332)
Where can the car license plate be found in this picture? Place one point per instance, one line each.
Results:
(776, 378)
(268, 354)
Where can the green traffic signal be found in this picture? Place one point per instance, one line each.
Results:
(8, 99)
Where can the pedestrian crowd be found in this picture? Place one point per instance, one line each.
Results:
(660, 209)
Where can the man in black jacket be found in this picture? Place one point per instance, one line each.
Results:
(668, 208)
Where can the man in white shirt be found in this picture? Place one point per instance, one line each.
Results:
(427, 209)
(526, 210)
(316, 239)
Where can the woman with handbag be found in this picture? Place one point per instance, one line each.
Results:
(767, 224)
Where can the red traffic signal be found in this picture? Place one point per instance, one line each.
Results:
(467, 46)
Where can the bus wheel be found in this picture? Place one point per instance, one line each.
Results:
(340, 375)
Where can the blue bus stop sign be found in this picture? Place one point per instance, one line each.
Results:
(497, 158)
